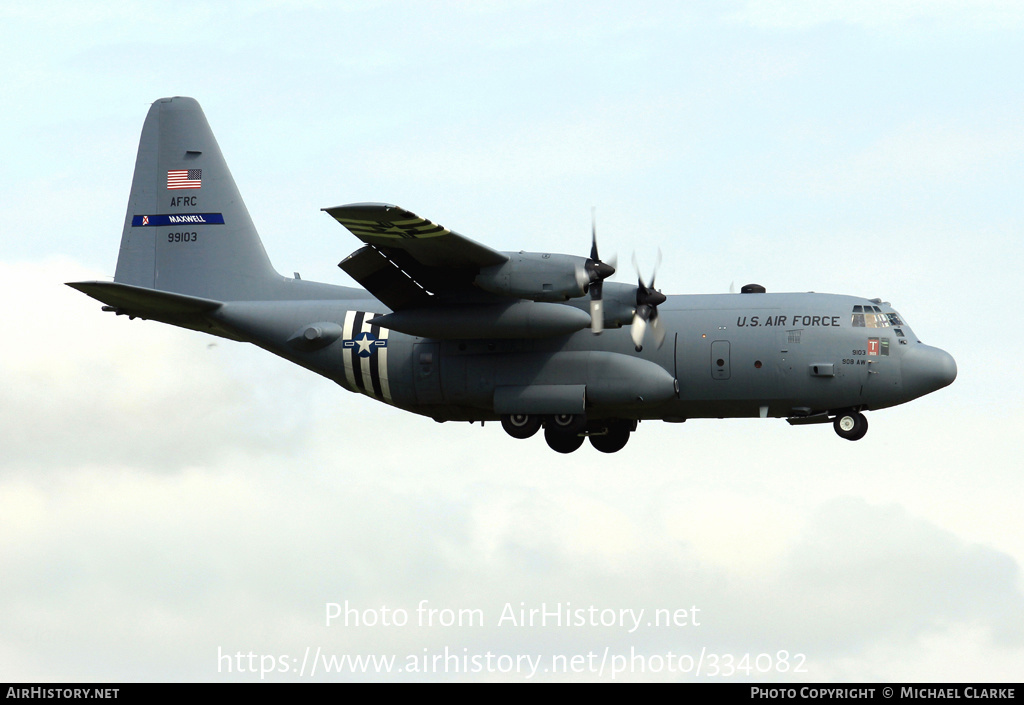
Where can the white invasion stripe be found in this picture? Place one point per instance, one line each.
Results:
(367, 376)
(382, 367)
(350, 375)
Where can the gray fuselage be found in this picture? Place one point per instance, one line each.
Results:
(729, 355)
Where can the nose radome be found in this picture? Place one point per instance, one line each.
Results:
(926, 369)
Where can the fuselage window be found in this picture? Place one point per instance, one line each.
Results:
(858, 316)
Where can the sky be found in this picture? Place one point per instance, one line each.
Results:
(177, 507)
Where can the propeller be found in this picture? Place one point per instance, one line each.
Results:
(647, 301)
(596, 272)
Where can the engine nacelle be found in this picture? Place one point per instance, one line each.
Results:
(536, 276)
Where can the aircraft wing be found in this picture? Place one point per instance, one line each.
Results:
(407, 259)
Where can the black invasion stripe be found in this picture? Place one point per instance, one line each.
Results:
(386, 232)
(357, 362)
(367, 229)
(374, 362)
(354, 223)
(422, 228)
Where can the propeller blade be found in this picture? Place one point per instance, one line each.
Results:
(657, 263)
(657, 329)
(647, 301)
(639, 277)
(596, 272)
(596, 315)
(638, 328)
(593, 245)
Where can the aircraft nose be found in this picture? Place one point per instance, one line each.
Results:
(926, 369)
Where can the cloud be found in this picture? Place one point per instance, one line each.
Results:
(128, 575)
(868, 570)
(84, 387)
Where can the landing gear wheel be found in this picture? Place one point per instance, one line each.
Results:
(567, 423)
(851, 425)
(613, 440)
(520, 425)
(562, 441)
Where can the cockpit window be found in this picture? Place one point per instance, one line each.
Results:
(872, 317)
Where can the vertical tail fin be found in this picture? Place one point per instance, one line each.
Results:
(187, 230)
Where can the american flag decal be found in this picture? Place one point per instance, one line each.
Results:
(184, 178)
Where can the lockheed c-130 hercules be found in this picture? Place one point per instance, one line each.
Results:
(454, 330)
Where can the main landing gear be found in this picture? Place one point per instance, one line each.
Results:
(520, 425)
(565, 433)
(851, 425)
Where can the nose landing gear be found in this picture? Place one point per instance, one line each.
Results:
(851, 425)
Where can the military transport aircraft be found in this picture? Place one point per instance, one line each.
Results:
(454, 330)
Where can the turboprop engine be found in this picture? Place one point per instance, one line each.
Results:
(537, 276)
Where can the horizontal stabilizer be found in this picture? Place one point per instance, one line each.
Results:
(139, 302)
